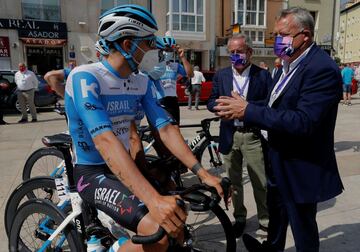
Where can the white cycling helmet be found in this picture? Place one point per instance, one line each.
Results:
(126, 21)
(102, 47)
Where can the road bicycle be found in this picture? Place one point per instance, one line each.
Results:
(52, 230)
(49, 161)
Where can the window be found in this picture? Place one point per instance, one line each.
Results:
(108, 4)
(186, 15)
(48, 10)
(250, 12)
(256, 36)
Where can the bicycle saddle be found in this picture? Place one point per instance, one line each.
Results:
(58, 140)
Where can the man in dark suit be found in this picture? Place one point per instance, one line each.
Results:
(277, 68)
(299, 118)
(238, 142)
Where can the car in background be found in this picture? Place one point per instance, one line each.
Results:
(44, 95)
(205, 92)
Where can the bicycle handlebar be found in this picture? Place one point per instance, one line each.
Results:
(215, 198)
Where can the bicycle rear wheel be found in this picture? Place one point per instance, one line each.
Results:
(39, 187)
(46, 161)
(34, 222)
(210, 231)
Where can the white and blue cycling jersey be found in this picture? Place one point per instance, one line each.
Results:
(97, 99)
(166, 85)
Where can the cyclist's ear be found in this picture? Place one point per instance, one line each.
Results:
(126, 44)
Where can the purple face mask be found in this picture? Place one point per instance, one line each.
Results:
(283, 47)
(238, 59)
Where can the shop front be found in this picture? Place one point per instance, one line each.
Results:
(42, 43)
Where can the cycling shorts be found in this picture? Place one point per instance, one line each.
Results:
(101, 189)
(171, 105)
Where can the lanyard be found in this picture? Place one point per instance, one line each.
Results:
(238, 87)
(287, 76)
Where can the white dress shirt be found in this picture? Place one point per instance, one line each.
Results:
(198, 78)
(26, 80)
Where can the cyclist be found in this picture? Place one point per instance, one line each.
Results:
(56, 78)
(101, 100)
(166, 85)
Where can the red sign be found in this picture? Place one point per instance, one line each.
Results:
(47, 42)
(4, 47)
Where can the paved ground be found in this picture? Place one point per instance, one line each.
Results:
(338, 219)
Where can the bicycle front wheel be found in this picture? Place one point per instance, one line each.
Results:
(35, 220)
(46, 161)
(210, 157)
(210, 231)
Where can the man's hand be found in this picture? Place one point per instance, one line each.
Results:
(231, 107)
(168, 214)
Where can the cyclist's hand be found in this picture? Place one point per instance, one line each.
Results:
(180, 51)
(213, 181)
(168, 214)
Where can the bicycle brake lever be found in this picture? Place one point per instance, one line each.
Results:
(225, 184)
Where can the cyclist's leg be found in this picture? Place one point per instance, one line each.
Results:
(99, 188)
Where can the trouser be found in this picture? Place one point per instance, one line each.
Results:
(247, 146)
(27, 97)
(195, 90)
(302, 217)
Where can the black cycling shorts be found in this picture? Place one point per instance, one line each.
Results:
(101, 189)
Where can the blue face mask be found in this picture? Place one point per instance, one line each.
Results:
(238, 59)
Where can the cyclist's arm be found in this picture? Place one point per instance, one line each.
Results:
(55, 79)
(173, 140)
(136, 149)
(187, 66)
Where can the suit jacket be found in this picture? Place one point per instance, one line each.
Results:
(259, 85)
(300, 126)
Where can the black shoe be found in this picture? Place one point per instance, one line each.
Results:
(34, 120)
(253, 245)
(238, 228)
(23, 120)
(3, 123)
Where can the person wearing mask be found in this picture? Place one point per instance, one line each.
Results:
(166, 85)
(347, 76)
(101, 101)
(239, 141)
(277, 68)
(196, 87)
(26, 83)
(299, 119)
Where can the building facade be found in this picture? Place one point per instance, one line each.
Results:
(348, 49)
(49, 34)
(326, 15)
(256, 19)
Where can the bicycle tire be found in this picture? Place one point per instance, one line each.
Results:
(216, 241)
(202, 158)
(39, 158)
(26, 190)
(46, 208)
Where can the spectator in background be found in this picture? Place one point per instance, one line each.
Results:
(26, 83)
(263, 65)
(347, 75)
(277, 68)
(4, 85)
(196, 87)
(357, 75)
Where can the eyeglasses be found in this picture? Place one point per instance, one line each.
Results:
(151, 40)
